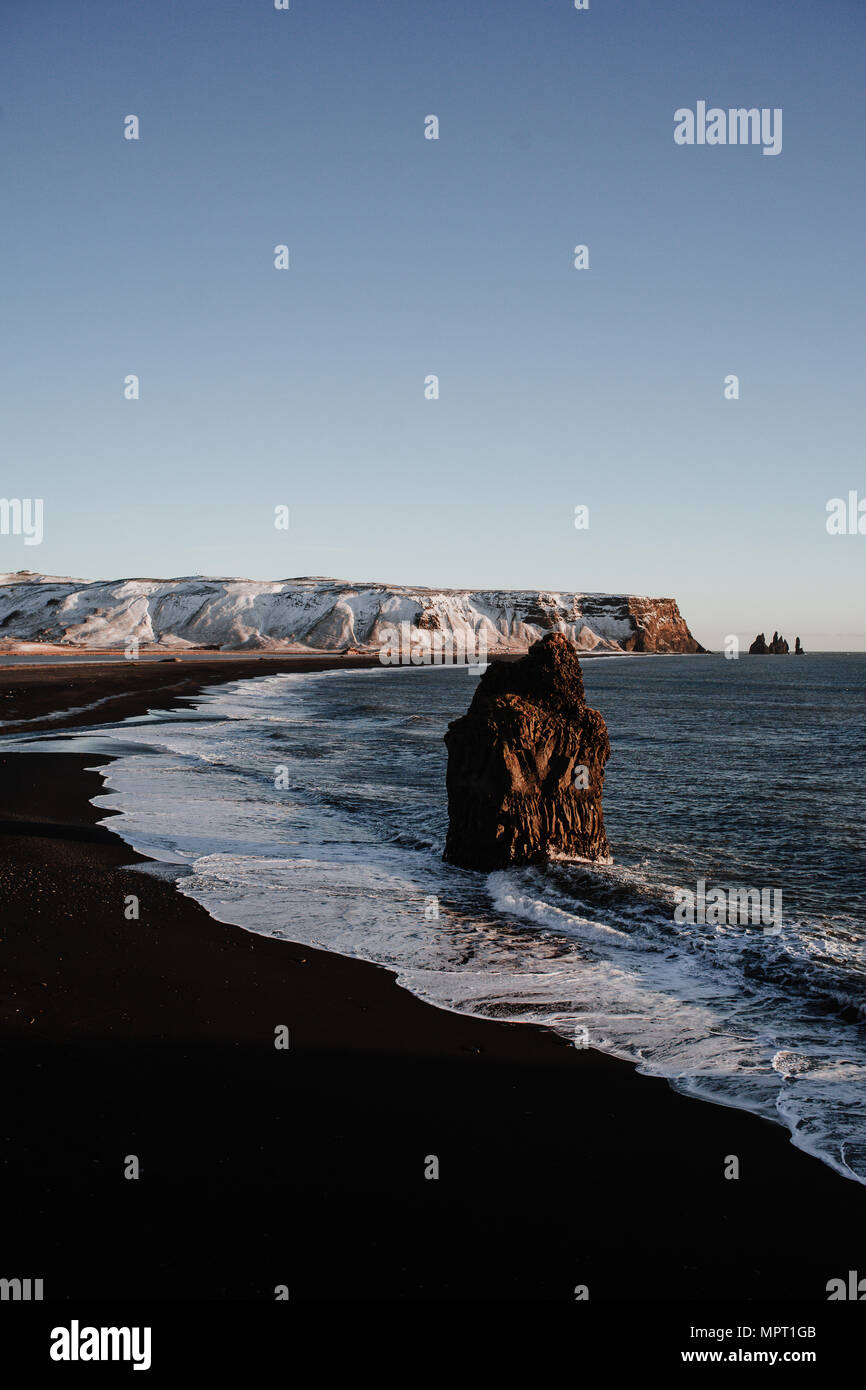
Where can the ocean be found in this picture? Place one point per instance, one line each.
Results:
(312, 808)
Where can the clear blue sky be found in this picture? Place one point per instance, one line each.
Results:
(410, 257)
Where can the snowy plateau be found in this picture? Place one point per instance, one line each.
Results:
(318, 615)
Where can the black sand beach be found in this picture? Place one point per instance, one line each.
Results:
(127, 688)
(305, 1167)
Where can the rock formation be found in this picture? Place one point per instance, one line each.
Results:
(324, 615)
(526, 765)
(798, 650)
(778, 646)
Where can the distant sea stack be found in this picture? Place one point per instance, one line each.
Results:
(526, 765)
(777, 647)
(322, 615)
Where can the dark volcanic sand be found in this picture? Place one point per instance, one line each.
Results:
(128, 688)
(306, 1168)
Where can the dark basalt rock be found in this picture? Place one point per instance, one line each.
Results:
(778, 646)
(516, 792)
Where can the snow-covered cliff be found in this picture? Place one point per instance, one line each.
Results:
(320, 615)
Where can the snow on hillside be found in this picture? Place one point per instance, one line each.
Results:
(315, 615)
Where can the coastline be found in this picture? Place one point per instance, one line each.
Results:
(62, 692)
(559, 1167)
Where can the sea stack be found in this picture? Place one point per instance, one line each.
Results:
(526, 765)
(778, 646)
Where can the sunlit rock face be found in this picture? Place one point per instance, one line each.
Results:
(526, 765)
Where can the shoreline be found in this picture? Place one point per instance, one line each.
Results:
(115, 690)
(306, 1166)
(62, 693)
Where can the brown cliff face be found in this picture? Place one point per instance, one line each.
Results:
(526, 765)
(659, 626)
